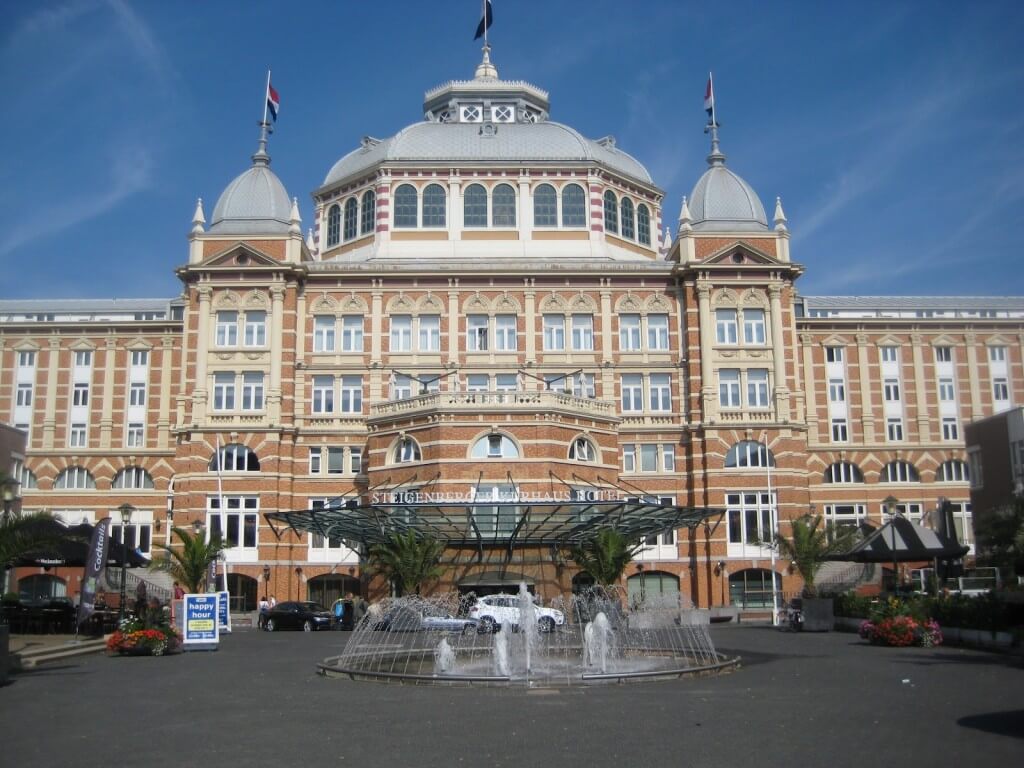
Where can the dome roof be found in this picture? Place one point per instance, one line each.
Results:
(256, 202)
(468, 142)
(722, 200)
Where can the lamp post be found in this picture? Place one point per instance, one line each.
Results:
(126, 511)
(10, 492)
(266, 579)
(643, 585)
(890, 503)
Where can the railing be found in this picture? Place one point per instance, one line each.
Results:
(112, 578)
(471, 401)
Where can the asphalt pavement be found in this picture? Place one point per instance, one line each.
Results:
(800, 699)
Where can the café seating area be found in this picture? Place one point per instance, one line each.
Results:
(55, 616)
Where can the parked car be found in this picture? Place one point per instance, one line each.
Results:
(405, 619)
(494, 611)
(437, 619)
(295, 614)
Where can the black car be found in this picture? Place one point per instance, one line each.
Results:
(298, 615)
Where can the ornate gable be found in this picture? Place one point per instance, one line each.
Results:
(241, 255)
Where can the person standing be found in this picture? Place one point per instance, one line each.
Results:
(264, 608)
(338, 609)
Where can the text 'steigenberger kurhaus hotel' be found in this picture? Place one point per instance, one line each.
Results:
(486, 337)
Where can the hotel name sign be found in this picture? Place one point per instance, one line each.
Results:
(582, 495)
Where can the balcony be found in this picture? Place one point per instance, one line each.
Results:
(503, 401)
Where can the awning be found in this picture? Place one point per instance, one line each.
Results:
(903, 541)
(71, 548)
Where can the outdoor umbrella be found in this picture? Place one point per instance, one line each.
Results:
(902, 541)
(70, 547)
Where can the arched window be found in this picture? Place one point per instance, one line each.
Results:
(75, 477)
(406, 211)
(351, 216)
(434, 206)
(496, 446)
(611, 213)
(574, 206)
(333, 225)
(369, 213)
(627, 218)
(407, 450)
(582, 449)
(545, 206)
(474, 206)
(749, 453)
(844, 472)
(899, 472)
(503, 206)
(236, 458)
(953, 471)
(40, 587)
(133, 477)
(27, 478)
(643, 224)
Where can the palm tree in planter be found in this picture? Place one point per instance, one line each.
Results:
(605, 555)
(189, 562)
(407, 561)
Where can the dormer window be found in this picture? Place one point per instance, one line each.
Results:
(472, 113)
(445, 116)
(503, 113)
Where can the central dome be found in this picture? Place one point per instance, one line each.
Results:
(723, 200)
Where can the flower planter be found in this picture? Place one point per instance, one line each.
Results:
(818, 616)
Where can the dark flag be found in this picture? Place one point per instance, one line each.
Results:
(96, 563)
(485, 21)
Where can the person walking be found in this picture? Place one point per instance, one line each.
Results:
(264, 609)
(338, 609)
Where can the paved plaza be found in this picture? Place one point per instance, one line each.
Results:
(799, 700)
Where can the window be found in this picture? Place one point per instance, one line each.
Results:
(725, 326)
(83, 358)
(889, 354)
(335, 460)
(997, 354)
(224, 391)
(133, 437)
(334, 224)
(899, 472)
(255, 329)
(80, 395)
(406, 207)
(351, 394)
(834, 354)
(950, 429)
(583, 333)
(503, 113)
(252, 391)
(227, 329)
(545, 206)
(953, 471)
(657, 332)
(133, 477)
(399, 387)
(505, 339)
(355, 456)
(478, 382)
(891, 390)
(506, 382)
(401, 333)
(323, 333)
(943, 355)
(351, 216)
(477, 327)
(757, 388)
(240, 517)
(369, 212)
(582, 385)
(660, 387)
(643, 225)
(235, 457)
(472, 113)
(24, 395)
(430, 333)
(474, 206)
(649, 457)
(1000, 390)
(894, 429)
(314, 461)
(136, 394)
(629, 333)
(753, 326)
(627, 218)
(976, 472)
(749, 453)
(323, 394)
(135, 536)
(668, 457)
(839, 431)
(434, 206)
(728, 388)
(77, 478)
(836, 391)
(629, 458)
(503, 213)
(26, 359)
(407, 450)
(574, 206)
(554, 333)
(750, 517)
(632, 392)
(611, 213)
(946, 391)
(495, 447)
(844, 472)
(352, 333)
(839, 516)
(582, 449)
(77, 436)
(139, 358)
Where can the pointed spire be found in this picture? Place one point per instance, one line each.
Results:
(485, 68)
(198, 219)
(685, 219)
(780, 217)
(310, 242)
(261, 157)
(294, 219)
(666, 243)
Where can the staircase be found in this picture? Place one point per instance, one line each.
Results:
(836, 578)
(159, 584)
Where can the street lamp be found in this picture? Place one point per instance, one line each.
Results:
(126, 511)
(890, 503)
(10, 492)
(266, 579)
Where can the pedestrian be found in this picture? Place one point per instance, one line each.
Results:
(264, 608)
(338, 609)
(179, 593)
(358, 610)
(273, 602)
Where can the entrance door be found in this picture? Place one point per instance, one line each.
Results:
(243, 592)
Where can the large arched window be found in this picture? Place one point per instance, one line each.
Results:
(643, 224)
(236, 458)
(899, 472)
(503, 206)
(545, 206)
(407, 450)
(406, 210)
(333, 225)
(953, 471)
(474, 206)
(611, 213)
(75, 477)
(627, 218)
(351, 217)
(133, 477)
(368, 213)
(434, 206)
(574, 206)
(581, 449)
(844, 472)
(749, 453)
(496, 446)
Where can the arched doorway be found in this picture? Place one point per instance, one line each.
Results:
(331, 586)
(752, 588)
(40, 587)
(582, 581)
(243, 592)
(653, 585)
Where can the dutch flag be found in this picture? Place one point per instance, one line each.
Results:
(273, 101)
(709, 99)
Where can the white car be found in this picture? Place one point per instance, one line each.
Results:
(494, 611)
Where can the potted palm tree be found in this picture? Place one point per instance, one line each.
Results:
(407, 561)
(605, 555)
(189, 562)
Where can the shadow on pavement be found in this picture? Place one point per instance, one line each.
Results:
(1009, 723)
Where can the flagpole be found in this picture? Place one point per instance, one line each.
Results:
(266, 96)
(221, 515)
(486, 44)
(711, 79)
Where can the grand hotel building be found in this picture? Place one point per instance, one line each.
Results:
(485, 310)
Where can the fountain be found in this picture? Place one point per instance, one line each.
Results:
(434, 641)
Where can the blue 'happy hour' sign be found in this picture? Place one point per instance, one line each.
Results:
(200, 623)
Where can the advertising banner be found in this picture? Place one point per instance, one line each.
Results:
(199, 624)
(224, 612)
(93, 565)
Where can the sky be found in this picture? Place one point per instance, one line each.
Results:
(892, 131)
